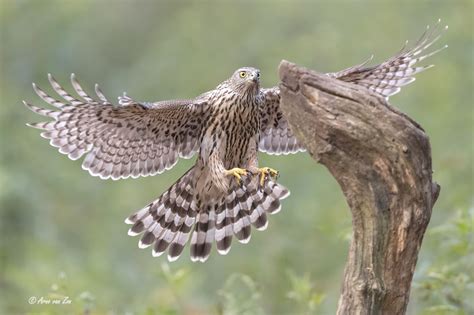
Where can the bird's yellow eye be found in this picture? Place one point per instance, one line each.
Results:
(242, 74)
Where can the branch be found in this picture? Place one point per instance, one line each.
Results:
(382, 162)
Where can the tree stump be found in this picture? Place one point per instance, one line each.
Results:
(382, 161)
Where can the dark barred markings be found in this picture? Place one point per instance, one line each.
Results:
(243, 207)
(226, 125)
(240, 128)
(120, 141)
(387, 78)
(276, 136)
(139, 139)
(167, 222)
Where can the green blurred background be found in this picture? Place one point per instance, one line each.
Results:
(62, 231)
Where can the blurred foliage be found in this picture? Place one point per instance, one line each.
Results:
(447, 284)
(55, 219)
(240, 296)
(303, 293)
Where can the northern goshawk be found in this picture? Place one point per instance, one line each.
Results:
(225, 192)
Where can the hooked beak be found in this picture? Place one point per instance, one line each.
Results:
(255, 77)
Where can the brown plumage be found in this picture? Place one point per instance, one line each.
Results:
(225, 192)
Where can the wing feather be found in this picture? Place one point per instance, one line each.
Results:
(385, 79)
(134, 139)
(276, 136)
(390, 76)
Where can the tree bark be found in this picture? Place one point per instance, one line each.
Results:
(382, 161)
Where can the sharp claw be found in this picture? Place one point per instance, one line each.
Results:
(266, 173)
(237, 173)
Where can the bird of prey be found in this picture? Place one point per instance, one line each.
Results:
(225, 192)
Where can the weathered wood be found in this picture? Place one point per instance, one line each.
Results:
(382, 161)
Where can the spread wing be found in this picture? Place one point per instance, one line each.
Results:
(388, 77)
(133, 139)
(385, 79)
(276, 136)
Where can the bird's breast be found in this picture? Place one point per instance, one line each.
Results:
(230, 129)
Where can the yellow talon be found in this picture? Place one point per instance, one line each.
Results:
(266, 171)
(237, 173)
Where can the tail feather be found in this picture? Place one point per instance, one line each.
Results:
(166, 223)
(266, 200)
(224, 223)
(258, 217)
(176, 248)
(223, 237)
(246, 206)
(241, 222)
(182, 236)
(274, 192)
(173, 222)
(203, 235)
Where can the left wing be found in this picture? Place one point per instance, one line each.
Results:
(385, 79)
(131, 140)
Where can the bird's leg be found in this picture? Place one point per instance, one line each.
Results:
(237, 173)
(263, 172)
(266, 172)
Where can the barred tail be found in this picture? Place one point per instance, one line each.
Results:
(242, 207)
(245, 206)
(203, 234)
(167, 221)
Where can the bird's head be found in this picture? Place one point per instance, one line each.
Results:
(246, 79)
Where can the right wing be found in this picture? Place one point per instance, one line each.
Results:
(384, 79)
(135, 139)
(276, 136)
